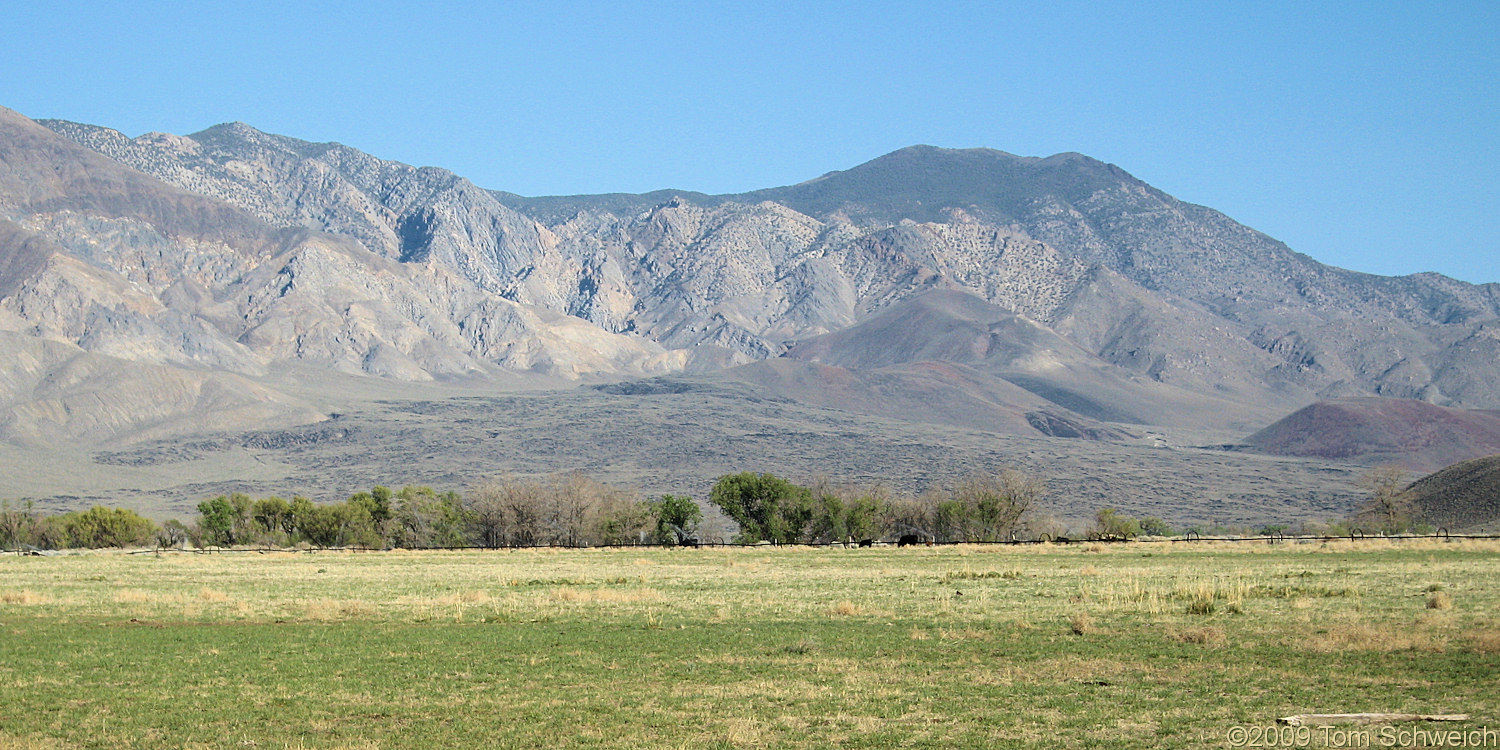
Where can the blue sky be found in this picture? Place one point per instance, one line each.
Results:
(1366, 135)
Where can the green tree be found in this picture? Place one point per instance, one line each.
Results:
(830, 516)
(380, 508)
(273, 519)
(767, 507)
(677, 518)
(950, 522)
(107, 527)
(862, 516)
(18, 525)
(841, 512)
(304, 516)
(224, 519)
(321, 525)
(422, 517)
(51, 532)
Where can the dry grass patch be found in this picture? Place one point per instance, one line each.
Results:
(1132, 592)
(1358, 636)
(471, 596)
(210, 595)
(8, 742)
(965, 634)
(743, 732)
(1484, 640)
(25, 597)
(1204, 595)
(979, 575)
(1081, 623)
(1440, 600)
(847, 609)
(133, 596)
(137, 596)
(327, 610)
(616, 596)
(1208, 635)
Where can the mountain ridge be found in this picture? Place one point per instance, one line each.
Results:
(1156, 289)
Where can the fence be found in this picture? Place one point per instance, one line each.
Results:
(1354, 536)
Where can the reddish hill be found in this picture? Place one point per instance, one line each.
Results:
(1414, 434)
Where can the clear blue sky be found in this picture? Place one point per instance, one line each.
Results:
(1364, 134)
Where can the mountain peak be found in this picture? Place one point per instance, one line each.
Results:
(923, 182)
(230, 135)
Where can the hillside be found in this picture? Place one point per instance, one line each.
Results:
(1416, 435)
(1462, 497)
(958, 328)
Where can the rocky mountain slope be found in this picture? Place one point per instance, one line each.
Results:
(1178, 292)
(1045, 294)
(191, 292)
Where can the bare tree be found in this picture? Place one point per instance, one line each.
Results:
(995, 505)
(523, 511)
(570, 498)
(1390, 506)
(487, 510)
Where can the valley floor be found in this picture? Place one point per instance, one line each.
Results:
(675, 443)
(1166, 645)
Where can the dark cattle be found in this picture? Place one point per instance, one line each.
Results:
(908, 540)
(866, 542)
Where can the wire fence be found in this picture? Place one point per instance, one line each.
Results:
(1190, 537)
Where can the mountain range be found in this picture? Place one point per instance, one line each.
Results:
(168, 285)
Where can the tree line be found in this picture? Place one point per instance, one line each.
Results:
(575, 510)
(980, 508)
(564, 509)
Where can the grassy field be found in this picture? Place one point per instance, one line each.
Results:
(1064, 646)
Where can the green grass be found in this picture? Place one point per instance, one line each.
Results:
(1136, 645)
